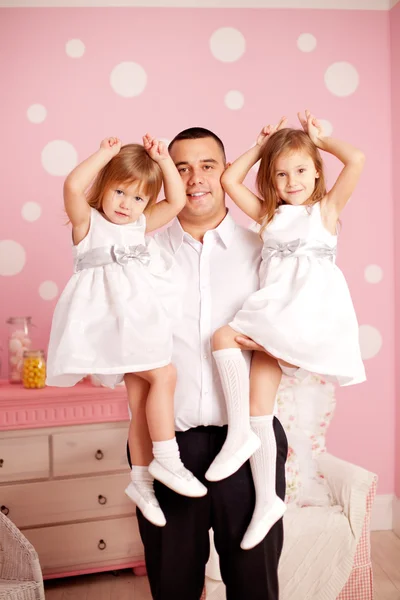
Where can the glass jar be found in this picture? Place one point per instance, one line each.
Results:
(34, 369)
(19, 340)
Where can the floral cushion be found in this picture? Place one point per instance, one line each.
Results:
(293, 480)
(305, 409)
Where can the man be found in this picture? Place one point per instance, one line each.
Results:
(217, 263)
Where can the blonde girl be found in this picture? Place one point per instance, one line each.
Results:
(113, 319)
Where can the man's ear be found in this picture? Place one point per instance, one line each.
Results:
(227, 165)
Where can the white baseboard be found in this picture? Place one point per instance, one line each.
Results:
(382, 512)
(396, 515)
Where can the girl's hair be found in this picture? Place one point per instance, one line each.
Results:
(132, 163)
(285, 141)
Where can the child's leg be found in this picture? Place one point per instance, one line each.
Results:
(240, 442)
(265, 376)
(167, 466)
(141, 490)
(139, 440)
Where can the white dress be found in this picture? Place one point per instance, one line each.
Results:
(115, 314)
(303, 313)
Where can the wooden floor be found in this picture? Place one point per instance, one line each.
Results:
(125, 586)
(386, 565)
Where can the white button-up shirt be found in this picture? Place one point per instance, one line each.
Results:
(217, 276)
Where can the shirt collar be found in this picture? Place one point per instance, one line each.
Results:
(224, 231)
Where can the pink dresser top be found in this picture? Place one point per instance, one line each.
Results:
(51, 406)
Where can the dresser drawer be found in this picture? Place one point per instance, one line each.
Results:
(81, 452)
(61, 501)
(67, 548)
(24, 458)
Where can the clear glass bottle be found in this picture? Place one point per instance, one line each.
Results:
(19, 341)
(34, 369)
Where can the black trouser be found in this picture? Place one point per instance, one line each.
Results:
(176, 554)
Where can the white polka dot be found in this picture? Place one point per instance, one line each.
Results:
(227, 44)
(128, 79)
(31, 211)
(373, 274)
(306, 42)
(341, 79)
(48, 290)
(36, 113)
(12, 257)
(370, 341)
(327, 127)
(75, 48)
(59, 157)
(234, 100)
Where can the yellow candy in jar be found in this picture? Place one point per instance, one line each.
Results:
(34, 369)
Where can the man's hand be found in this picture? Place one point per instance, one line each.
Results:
(246, 343)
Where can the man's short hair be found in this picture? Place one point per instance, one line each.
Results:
(197, 133)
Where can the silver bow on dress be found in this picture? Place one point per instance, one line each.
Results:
(99, 257)
(325, 252)
(123, 254)
(280, 249)
(277, 249)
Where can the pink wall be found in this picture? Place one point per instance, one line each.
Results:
(395, 55)
(186, 86)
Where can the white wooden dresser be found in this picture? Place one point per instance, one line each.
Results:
(63, 471)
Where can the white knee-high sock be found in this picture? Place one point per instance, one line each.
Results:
(235, 381)
(263, 463)
(269, 507)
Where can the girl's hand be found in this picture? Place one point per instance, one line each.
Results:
(157, 150)
(267, 131)
(311, 126)
(112, 144)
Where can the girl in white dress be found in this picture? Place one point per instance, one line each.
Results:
(302, 319)
(113, 319)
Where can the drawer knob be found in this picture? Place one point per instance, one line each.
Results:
(4, 509)
(99, 455)
(101, 545)
(102, 499)
(1, 462)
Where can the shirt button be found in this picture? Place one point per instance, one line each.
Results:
(205, 356)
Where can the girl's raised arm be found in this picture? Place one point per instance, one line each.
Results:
(352, 158)
(78, 181)
(233, 177)
(164, 211)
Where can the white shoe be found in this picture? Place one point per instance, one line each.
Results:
(147, 503)
(223, 465)
(257, 530)
(183, 481)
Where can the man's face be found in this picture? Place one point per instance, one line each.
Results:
(200, 163)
